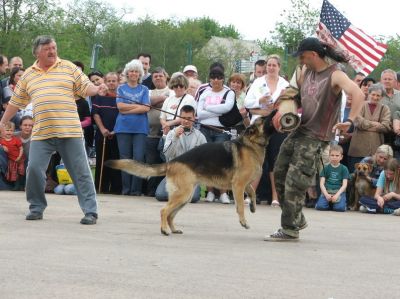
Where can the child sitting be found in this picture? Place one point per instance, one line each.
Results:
(65, 184)
(333, 182)
(387, 195)
(12, 145)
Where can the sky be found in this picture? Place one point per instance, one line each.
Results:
(255, 19)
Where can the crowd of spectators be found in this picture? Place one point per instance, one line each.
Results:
(139, 118)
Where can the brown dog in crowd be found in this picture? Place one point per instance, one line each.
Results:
(362, 183)
(230, 165)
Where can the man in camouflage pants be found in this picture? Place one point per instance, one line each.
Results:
(321, 86)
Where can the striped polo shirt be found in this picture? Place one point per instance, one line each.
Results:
(52, 94)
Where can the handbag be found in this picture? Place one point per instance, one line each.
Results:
(63, 175)
(233, 116)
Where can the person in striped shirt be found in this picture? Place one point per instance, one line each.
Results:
(52, 84)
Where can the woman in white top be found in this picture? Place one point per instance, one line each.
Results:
(172, 105)
(214, 102)
(260, 99)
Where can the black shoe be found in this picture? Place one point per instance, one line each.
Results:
(89, 219)
(34, 216)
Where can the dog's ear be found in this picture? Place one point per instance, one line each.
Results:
(356, 165)
(369, 168)
(250, 130)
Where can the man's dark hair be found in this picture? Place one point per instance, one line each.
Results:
(188, 109)
(260, 62)
(366, 80)
(2, 59)
(79, 64)
(144, 55)
(95, 73)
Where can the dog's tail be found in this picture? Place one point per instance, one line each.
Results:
(137, 168)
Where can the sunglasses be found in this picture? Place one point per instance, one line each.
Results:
(216, 77)
(178, 86)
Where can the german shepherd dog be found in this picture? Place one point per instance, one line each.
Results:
(230, 165)
(362, 184)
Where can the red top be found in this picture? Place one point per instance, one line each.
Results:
(14, 145)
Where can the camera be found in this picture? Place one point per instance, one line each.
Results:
(186, 129)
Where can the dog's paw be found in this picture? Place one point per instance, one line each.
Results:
(252, 208)
(164, 232)
(177, 231)
(244, 224)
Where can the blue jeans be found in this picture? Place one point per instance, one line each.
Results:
(214, 135)
(131, 146)
(162, 193)
(152, 156)
(373, 207)
(324, 205)
(65, 189)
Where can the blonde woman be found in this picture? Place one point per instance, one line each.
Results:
(260, 99)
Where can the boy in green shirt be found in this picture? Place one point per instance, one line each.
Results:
(333, 182)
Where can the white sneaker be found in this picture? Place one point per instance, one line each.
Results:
(210, 197)
(396, 212)
(247, 201)
(224, 198)
(363, 209)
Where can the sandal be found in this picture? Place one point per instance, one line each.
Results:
(275, 203)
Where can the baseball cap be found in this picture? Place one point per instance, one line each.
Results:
(190, 68)
(310, 44)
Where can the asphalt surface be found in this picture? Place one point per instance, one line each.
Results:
(340, 255)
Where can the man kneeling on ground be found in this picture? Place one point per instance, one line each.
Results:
(178, 141)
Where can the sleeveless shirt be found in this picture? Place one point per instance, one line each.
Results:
(321, 106)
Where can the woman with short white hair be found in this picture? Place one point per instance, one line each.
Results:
(131, 127)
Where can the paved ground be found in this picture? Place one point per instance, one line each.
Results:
(340, 255)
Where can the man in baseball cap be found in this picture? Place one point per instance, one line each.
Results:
(190, 71)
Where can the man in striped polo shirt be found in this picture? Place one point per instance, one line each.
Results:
(52, 84)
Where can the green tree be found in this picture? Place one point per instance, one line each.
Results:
(296, 23)
(391, 60)
(21, 21)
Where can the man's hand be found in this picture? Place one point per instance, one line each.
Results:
(105, 132)
(5, 148)
(342, 127)
(179, 131)
(102, 89)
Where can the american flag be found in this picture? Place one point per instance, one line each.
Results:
(363, 51)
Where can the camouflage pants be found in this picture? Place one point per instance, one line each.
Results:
(294, 172)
